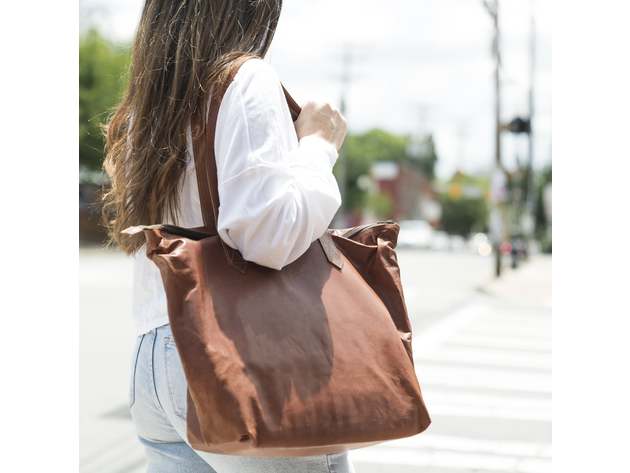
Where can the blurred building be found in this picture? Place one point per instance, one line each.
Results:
(410, 192)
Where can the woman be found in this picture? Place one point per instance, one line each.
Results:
(276, 189)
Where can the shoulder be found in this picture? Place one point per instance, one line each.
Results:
(255, 93)
(255, 97)
(256, 77)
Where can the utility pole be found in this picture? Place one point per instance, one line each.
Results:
(423, 119)
(529, 189)
(498, 222)
(342, 166)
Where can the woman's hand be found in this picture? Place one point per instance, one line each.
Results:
(323, 120)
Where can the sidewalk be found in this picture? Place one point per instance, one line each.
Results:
(485, 370)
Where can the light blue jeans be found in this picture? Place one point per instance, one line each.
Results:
(157, 401)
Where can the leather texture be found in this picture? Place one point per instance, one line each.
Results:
(315, 358)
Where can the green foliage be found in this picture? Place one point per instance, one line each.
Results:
(464, 204)
(542, 226)
(463, 216)
(361, 150)
(380, 204)
(102, 66)
(479, 182)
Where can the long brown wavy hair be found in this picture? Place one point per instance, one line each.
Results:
(181, 48)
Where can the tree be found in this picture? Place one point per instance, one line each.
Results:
(464, 205)
(102, 67)
(542, 225)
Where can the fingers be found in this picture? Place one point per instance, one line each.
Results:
(325, 108)
(324, 119)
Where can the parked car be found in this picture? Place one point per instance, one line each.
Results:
(415, 234)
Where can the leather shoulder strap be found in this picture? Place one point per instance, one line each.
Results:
(294, 108)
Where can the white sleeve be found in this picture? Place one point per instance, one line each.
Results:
(276, 195)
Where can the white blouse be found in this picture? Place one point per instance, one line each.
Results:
(277, 195)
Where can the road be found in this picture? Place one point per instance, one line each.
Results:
(482, 355)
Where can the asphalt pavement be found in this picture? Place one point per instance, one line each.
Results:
(482, 351)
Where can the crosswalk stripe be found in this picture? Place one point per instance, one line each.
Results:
(485, 378)
(501, 342)
(476, 446)
(454, 461)
(487, 356)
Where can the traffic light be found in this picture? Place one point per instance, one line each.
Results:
(518, 125)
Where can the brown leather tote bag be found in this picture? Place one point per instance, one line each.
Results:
(315, 358)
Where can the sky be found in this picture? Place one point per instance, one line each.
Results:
(416, 66)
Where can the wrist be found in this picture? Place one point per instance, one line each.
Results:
(317, 143)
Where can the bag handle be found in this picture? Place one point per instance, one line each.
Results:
(206, 171)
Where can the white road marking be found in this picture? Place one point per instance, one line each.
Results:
(434, 336)
(487, 356)
(482, 366)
